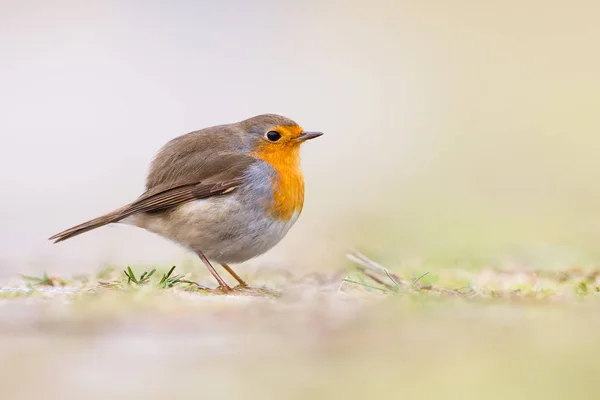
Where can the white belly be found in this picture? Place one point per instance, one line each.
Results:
(227, 229)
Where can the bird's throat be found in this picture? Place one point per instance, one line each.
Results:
(288, 181)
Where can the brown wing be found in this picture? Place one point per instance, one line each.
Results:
(175, 196)
(209, 155)
(186, 169)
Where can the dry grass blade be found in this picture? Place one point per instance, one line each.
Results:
(371, 269)
(379, 280)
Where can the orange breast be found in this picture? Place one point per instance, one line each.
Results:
(288, 182)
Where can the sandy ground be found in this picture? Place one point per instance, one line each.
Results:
(511, 335)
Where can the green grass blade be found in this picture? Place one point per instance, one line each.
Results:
(131, 276)
(365, 285)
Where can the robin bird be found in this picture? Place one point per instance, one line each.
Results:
(228, 193)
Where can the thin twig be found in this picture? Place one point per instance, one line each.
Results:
(378, 279)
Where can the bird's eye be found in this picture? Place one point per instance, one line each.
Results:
(273, 136)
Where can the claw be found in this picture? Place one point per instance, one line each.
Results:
(240, 290)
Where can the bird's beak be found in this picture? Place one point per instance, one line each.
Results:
(304, 136)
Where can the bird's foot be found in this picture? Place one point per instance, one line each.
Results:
(240, 290)
(246, 290)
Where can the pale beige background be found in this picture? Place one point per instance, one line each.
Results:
(458, 131)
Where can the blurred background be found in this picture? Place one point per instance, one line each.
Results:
(457, 133)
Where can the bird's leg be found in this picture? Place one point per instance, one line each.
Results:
(222, 284)
(244, 289)
(236, 276)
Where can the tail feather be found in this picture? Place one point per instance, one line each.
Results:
(109, 218)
